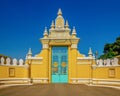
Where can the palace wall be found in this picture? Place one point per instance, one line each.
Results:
(106, 72)
(39, 67)
(13, 71)
(81, 70)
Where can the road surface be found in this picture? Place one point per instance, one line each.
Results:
(58, 90)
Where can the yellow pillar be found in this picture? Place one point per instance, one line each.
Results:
(49, 64)
(72, 63)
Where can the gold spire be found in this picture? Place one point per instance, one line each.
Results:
(45, 33)
(74, 33)
(59, 22)
(52, 24)
(67, 25)
(59, 12)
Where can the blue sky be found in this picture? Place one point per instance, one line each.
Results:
(22, 23)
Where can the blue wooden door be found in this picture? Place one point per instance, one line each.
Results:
(59, 65)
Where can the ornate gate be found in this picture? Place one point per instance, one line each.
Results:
(59, 64)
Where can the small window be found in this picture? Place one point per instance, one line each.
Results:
(111, 73)
(11, 72)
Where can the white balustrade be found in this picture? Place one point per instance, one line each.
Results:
(2, 61)
(101, 62)
(14, 61)
(21, 62)
(104, 62)
(107, 62)
(115, 61)
(111, 62)
(8, 61)
(97, 62)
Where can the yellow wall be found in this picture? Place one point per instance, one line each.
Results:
(40, 69)
(100, 73)
(4, 72)
(117, 72)
(20, 72)
(77, 68)
(103, 73)
(83, 71)
(72, 63)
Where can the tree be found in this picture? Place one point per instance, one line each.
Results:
(3, 56)
(111, 50)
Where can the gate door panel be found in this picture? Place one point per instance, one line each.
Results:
(59, 64)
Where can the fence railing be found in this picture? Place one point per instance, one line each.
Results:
(107, 62)
(9, 61)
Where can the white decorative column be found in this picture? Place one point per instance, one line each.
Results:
(45, 46)
(74, 46)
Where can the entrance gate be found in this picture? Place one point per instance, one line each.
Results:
(59, 65)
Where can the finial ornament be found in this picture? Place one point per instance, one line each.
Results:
(90, 52)
(74, 31)
(45, 32)
(67, 25)
(59, 12)
(59, 22)
(29, 54)
(52, 24)
(29, 51)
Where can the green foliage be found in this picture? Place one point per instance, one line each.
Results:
(3, 56)
(111, 50)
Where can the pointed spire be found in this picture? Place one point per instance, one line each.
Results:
(67, 25)
(45, 32)
(59, 22)
(52, 24)
(29, 53)
(59, 12)
(74, 31)
(90, 52)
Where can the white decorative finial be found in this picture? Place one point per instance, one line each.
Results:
(45, 29)
(90, 52)
(66, 25)
(29, 55)
(59, 12)
(45, 32)
(30, 51)
(74, 31)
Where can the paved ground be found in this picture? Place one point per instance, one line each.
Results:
(58, 90)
